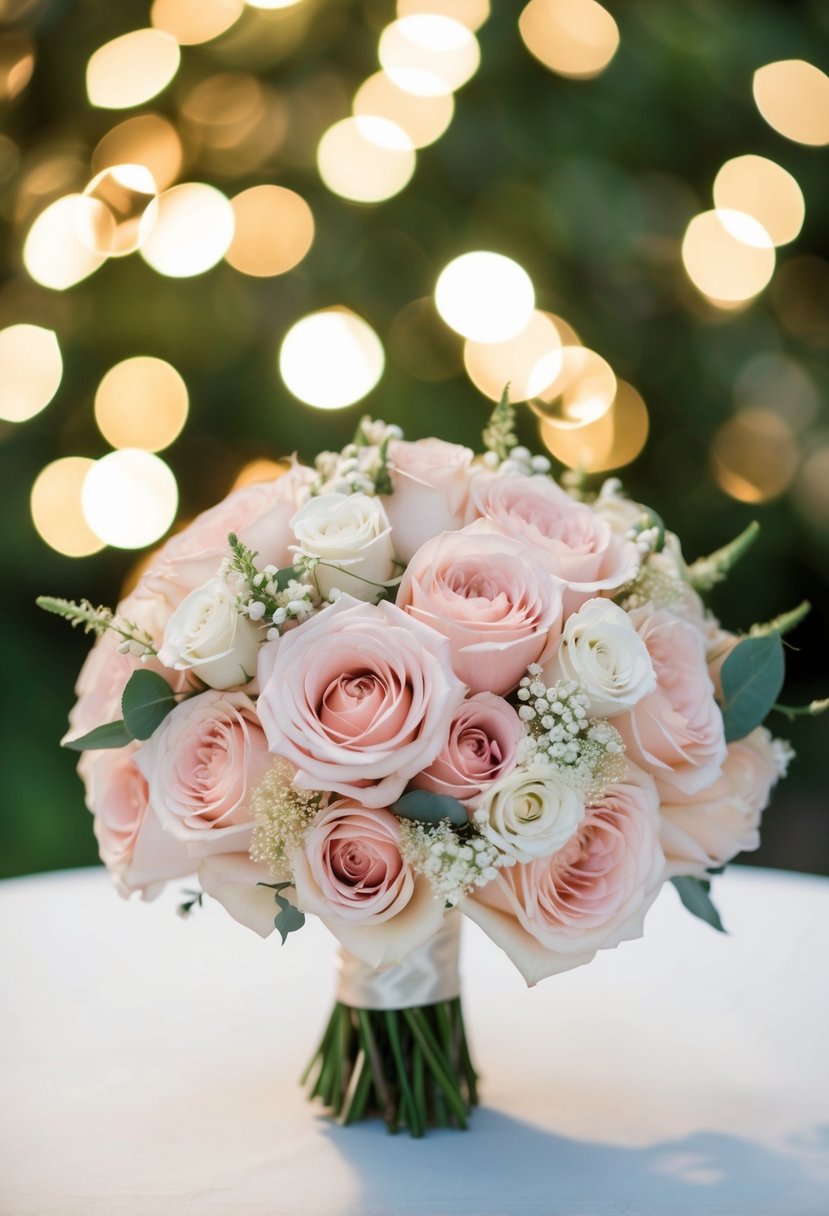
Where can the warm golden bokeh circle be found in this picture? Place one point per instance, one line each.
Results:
(274, 229)
(141, 402)
(56, 509)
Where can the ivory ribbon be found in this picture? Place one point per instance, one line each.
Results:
(429, 974)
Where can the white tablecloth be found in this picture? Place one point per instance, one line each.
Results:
(149, 1066)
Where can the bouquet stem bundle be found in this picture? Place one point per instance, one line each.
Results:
(411, 1066)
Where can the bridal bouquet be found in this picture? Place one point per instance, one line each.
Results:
(408, 683)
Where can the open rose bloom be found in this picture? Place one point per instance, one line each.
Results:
(409, 684)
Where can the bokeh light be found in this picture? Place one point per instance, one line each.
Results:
(528, 361)
(811, 488)
(55, 252)
(424, 119)
(17, 62)
(754, 456)
(274, 229)
(56, 509)
(365, 159)
(194, 21)
(429, 54)
(793, 97)
(32, 371)
(129, 498)
(757, 186)
(331, 359)
(141, 402)
(485, 296)
(233, 122)
(609, 442)
(131, 69)
(576, 38)
(259, 470)
(471, 13)
(776, 382)
(148, 140)
(272, 4)
(128, 209)
(582, 387)
(728, 256)
(192, 232)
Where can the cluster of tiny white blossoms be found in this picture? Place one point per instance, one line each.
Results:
(282, 815)
(588, 752)
(362, 466)
(263, 599)
(518, 460)
(453, 865)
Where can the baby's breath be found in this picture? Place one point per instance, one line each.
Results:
(587, 752)
(455, 864)
(362, 467)
(282, 815)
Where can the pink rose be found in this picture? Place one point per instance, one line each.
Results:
(259, 514)
(704, 831)
(201, 765)
(554, 913)
(351, 874)
(497, 606)
(359, 698)
(676, 732)
(431, 482)
(130, 839)
(571, 541)
(482, 747)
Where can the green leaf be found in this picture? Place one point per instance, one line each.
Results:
(751, 677)
(694, 895)
(430, 808)
(147, 700)
(284, 576)
(111, 734)
(289, 919)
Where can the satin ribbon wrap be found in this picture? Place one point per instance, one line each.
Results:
(428, 975)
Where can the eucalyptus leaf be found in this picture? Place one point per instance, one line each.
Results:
(751, 677)
(288, 919)
(284, 576)
(147, 700)
(430, 808)
(111, 734)
(694, 895)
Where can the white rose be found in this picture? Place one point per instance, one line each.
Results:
(531, 813)
(601, 650)
(351, 532)
(208, 636)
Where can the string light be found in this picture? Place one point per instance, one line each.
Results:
(141, 403)
(485, 296)
(331, 359)
(58, 252)
(366, 159)
(429, 54)
(195, 21)
(793, 97)
(129, 498)
(32, 371)
(192, 232)
(131, 69)
(760, 188)
(576, 38)
(127, 211)
(55, 505)
(728, 256)
(147, 140)
(274, 229)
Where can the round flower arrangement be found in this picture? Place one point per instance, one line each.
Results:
(409, 683)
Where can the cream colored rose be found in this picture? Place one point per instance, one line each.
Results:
(601, 650)
(531, 813)
(350, 532)
(208, 636)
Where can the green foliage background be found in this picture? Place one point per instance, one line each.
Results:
(589, 185)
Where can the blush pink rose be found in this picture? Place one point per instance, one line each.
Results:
(131, 843)
(481, 749)
(498, 607)
(571, 541)
(676, 732)
(201, 765)
(553, 914)
(259, 515)
(359, 698)
(704, 831)
(431, 482)
(352, 875)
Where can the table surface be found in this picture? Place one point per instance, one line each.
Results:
(150, 1066)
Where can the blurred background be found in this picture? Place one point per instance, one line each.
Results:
(230, 228)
